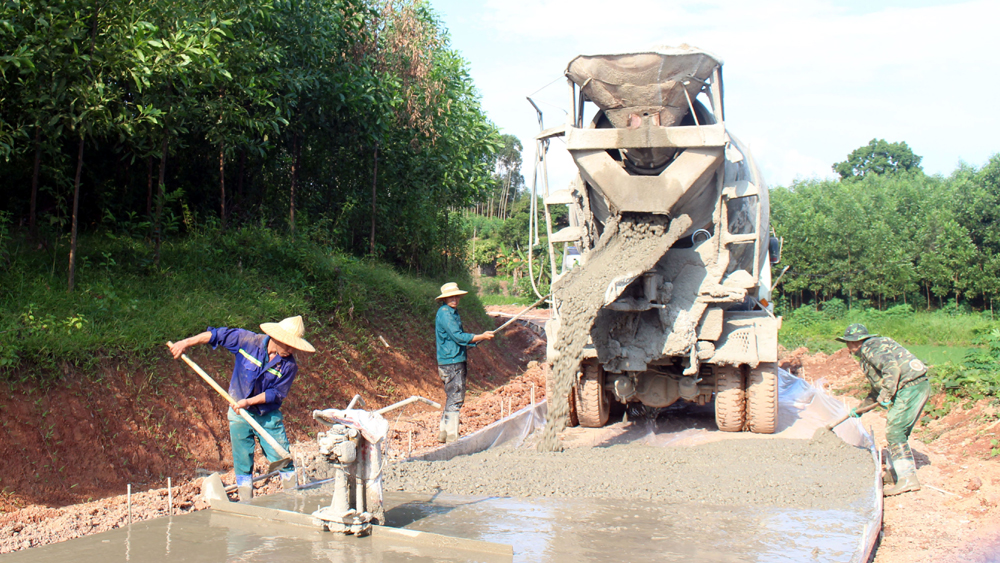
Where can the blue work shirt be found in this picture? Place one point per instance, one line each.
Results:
(254, 373)
(451, 341)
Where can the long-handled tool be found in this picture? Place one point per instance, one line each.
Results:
(517, 316)
(840, 420)
(285, 456)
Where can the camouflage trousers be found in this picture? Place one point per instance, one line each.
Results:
(905, 411)
(453, 376)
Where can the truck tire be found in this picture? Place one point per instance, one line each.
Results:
(730, 399)
(762, 399)
(592, 405)
(571, 420)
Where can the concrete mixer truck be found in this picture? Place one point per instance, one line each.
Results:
(669, 299)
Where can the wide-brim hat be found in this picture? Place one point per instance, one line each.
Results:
(450, 289)
(856, 332)
(289, 332)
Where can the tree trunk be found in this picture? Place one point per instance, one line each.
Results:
(76, 210)
(295, 177)
(32, 225)
(371, 239)
(222, 183)
(158, 225)
(239, 176)
(149, 186)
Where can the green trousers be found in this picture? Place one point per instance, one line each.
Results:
(243, 437)
(905, 411)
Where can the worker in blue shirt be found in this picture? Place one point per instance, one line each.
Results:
(264, 371)
(452, 342)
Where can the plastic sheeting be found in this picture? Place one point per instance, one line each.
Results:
(802, 409)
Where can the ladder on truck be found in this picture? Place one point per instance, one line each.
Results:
(567, 235)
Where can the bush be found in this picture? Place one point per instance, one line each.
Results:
(978, 376)
(834, 308)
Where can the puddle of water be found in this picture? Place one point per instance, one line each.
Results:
(539, 530)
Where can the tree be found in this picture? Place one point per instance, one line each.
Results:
(878, 157)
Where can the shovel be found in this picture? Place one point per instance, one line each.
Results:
(285, 456)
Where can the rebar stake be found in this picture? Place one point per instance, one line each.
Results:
(128, 497)
(170, 498)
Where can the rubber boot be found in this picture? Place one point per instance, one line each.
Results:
(443, 434)
(244, 484)
(905, 468)
(451, 426)
(289, 480)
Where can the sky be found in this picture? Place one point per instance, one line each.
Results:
(806, 81)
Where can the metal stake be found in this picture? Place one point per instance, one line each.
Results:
(409, 447)
(170, 498)
(532, 395)
(128, 496)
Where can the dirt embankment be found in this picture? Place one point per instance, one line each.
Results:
(84, 442)
(954, 517)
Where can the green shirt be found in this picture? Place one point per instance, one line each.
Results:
(451, 341)
(888, 365)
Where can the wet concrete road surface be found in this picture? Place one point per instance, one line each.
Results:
(555, 530)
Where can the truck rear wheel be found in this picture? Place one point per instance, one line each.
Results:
(592, 405)
(762, 399)
(730, 400)
(571, 420)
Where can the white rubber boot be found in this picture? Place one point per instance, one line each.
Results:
(451, 426)
(443, 433)
(906, 471)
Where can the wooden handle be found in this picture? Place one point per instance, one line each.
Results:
(246, 416)
(515, 317)
(862, 410)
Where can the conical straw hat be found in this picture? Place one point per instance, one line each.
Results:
(289, 332)
(450, 289)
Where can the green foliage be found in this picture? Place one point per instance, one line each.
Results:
(979, 375)
(887, 239)
(240, 277)
(257, 111)
(878, 157)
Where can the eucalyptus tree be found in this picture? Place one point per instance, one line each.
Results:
(878, 157)
(175, 60)
(239, 112)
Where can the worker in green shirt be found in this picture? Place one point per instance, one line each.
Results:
(899, 383)
(452, 342)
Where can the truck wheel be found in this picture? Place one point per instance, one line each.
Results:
(729, 398)
(571, 420)
(592, 405)
(762, 399)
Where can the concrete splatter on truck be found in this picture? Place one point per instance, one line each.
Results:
(670, 297)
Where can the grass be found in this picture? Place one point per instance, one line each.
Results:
(491, 299)
(125, 306)
(943, 334)
(939, 355)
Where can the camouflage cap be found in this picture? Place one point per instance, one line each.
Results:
(855, 332)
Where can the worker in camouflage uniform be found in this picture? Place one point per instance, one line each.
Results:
(899, 383)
